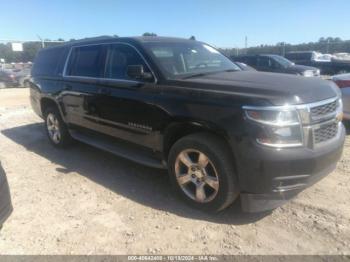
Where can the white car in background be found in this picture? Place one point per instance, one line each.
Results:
(343, 82)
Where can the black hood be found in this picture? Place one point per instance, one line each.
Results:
(277, 89)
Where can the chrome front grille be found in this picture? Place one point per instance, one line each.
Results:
(325, 132)
(323, 111)
(320, 121)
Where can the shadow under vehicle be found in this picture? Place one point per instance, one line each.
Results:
(147, 186)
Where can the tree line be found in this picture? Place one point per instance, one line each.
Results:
(27, 55)
(323, 45)
(31, 48)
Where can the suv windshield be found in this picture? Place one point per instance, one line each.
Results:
(282, 61)
(186, 59)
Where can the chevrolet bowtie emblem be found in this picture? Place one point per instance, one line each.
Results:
(339, 117)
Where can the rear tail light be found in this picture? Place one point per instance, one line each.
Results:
(342, 83)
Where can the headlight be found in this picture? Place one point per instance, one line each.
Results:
(308, 73)
(275, 127)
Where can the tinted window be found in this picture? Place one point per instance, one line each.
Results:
(300, 56)
(47, 61)
(264, 61)
(86, 61)
(120, 56)
(251, 60)
(291, 56)
(182, 59)
(305, 56)
(281, 61)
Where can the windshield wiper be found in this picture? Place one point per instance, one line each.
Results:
(232, 70)
(209, 73)
(197, 75)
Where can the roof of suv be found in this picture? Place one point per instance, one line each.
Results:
(142, 39)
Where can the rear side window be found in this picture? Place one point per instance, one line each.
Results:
(306, 56)
(86, 61)
(251, 61)
(291, 56)
(264, 61)
(47, 61)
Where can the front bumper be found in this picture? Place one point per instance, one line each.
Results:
(269, 177)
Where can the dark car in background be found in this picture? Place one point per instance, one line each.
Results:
(276, 64)
(308, 58)
(8, 78)
(17, 75)
(180, 104)
(5, 199)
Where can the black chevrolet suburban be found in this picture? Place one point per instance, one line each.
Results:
(180, 104)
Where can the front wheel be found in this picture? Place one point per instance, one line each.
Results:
(202, 172)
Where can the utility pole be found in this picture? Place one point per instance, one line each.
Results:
(42, 41)
(283, 48)
(327, 46)
(246, 42)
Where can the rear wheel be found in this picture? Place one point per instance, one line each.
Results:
(201, 171)
(56, 129)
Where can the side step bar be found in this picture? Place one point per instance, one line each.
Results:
(120, 148)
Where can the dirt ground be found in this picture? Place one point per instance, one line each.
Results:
(85, 201)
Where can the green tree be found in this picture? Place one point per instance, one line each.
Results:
(149, 34)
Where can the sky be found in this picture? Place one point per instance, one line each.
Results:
(222, 23)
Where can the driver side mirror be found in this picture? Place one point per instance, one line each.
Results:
(137, 72)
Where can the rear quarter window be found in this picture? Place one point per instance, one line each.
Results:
(48, 62)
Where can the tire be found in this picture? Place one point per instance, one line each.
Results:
(218, 171)
(56, 129)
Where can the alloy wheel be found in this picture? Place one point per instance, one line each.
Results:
(53, 128)
(196, 175)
